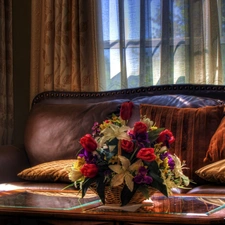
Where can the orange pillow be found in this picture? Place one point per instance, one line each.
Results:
(216, 150)
(192, 128)
(53, 171)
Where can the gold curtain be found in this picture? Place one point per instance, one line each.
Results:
(6, 73)
(63, 46)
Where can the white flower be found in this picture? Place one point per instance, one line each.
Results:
(178, 170)
(114, 131)
(124, 172)
(147, 121)
(169, 183)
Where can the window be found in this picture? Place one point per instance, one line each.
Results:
(149, 42)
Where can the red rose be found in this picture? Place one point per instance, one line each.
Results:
(89, 170)
(126, 110)
(146, 154)
(127, 145)
(166, 137)
(88, 143)
(139, 128)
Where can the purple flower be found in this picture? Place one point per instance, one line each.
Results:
(141, 177)
(88, 156)
(164, 155)
(142, 170)
(140, 138)
(171, 162)
(95, 129)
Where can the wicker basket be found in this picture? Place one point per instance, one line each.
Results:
(112, 195)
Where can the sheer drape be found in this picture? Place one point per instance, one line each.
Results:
(148, 42)
(6, 73)
(64, 46)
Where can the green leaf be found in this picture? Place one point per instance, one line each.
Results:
(86, 185)
(114, 141)
(126, 194)
(157, 183)
(101, 189)
(154, 134)
(154, 172)
(144, 189)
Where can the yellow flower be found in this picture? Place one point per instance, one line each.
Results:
(124, 172)
(74, 172)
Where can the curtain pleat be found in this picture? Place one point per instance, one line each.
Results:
(64, 52)
(6, 74)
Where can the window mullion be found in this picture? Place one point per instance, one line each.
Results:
(142, 58)
(122, 45)
(165, 47)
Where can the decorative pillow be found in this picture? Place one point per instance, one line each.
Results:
(216, 150)
(50, 171)
(214, 172)
(192, 128)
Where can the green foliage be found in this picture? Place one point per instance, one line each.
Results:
(154, 134)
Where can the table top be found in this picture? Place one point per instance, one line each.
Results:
(69, 204)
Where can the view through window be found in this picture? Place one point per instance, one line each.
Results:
(146, 39)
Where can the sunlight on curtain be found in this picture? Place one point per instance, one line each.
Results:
(6, 74)
(149, 42)
(63, 46)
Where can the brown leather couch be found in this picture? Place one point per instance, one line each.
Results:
(57, 121)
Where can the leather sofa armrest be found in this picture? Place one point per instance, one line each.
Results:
(13, 159)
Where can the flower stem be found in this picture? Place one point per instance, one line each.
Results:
(119, 150)
(133, 153)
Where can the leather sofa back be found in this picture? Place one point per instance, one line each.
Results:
(57, 121)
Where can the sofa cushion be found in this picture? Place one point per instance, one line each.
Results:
(53, 131)
(192, 129)
(213, 172)
(216, 150)
(54, 171)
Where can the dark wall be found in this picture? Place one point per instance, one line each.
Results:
(21, 13)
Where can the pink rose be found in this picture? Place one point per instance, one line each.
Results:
(146, 154)
(140, 128)
(127, 146)
(126, 110)
(89, 170)
(166, 137)
(88, 143)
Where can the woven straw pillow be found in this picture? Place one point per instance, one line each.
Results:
(50, 171)
(214, 172)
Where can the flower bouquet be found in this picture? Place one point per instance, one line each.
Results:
(123, 164)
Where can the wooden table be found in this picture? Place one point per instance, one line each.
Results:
(34, 207)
